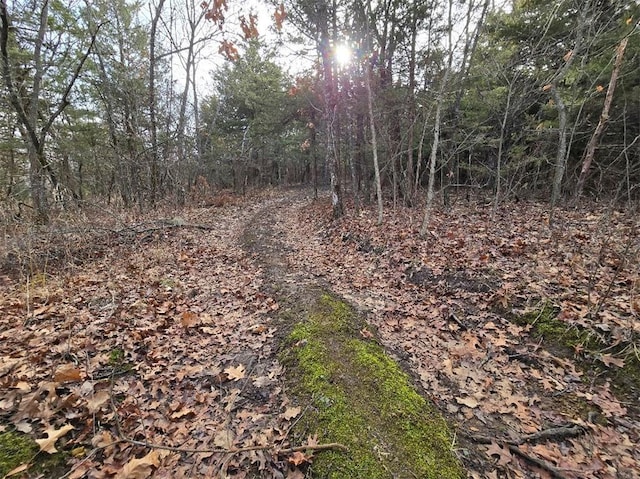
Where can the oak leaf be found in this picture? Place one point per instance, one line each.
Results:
(298, 458)
(140, 468)
(49, 444)
(608, 360)
(504, 455)
(67, 373)
(188, 319)
(291, 412)
(98, 400)
(224, 439)
(236, 373)
(468, 401)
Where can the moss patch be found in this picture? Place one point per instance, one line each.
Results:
(17, 449)
(361, 398)
(563, 338)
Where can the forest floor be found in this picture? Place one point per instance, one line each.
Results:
(150, 345)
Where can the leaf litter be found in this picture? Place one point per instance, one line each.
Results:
(164, 337)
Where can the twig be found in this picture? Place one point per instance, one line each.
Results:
(554, 471)
(122, 438)
(560, 432)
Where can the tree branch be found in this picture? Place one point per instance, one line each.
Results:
(64, 102)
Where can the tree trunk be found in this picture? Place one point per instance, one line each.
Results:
(155, 175)
(409, 191)
(374, 143)
(329, 110)
(433, 157)
(436, 129)
(604, 117)
(503, 128)
(561, 154)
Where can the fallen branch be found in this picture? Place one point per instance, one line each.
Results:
(556, 433)
(552, 470)
(560, 432)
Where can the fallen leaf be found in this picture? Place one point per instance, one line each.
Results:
(17, 470)
(468, 401)
(49, 444)
(24, 426)
(236, 373)
(188, 319)
(140, 468)
(67, 373)
(298, 458)
(291, 412)
(98, 400)
(504, 454)
(23, 386)
(295, 474)
(258, 329)
(224, 439)
(312, 441)
(608, 359)
(366, 333)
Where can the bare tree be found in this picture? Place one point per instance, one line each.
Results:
(604, 117)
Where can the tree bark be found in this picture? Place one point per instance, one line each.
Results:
(561, 152)
(31, 116)
(374, 143)
(503, 129)
(329, 110)
(155, 176)
(604, 117)
(433, 157)
(436, 129)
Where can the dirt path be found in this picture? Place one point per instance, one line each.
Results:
(352, 392)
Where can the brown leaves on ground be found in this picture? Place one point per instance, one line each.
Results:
(177, 319)
(168, 334)
(444, 304)
(49, 444)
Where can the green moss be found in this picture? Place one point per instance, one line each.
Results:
(362, 399)
(545, 324)
(17, 449)
(565, 339)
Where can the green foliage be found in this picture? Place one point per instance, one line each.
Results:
(252, 121)
(521, 51)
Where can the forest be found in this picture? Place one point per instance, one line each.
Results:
(307, 239)
(131, 103)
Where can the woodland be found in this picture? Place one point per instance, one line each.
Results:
(309, 239)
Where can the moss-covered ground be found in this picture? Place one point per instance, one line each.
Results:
(18, 449)
(566, 339)
(358, 396)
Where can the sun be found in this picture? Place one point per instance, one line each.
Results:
(342, 53)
